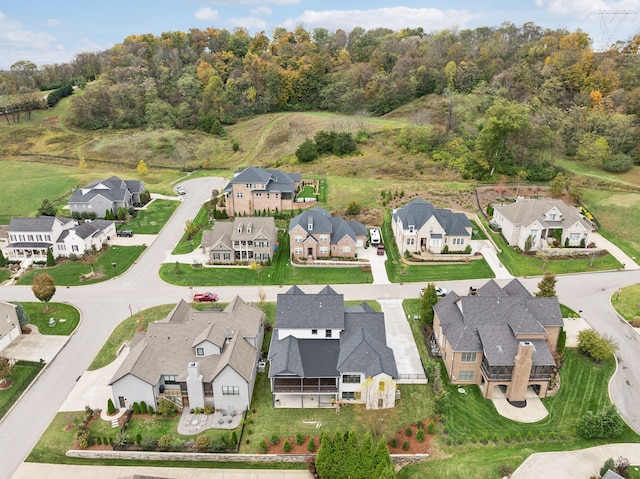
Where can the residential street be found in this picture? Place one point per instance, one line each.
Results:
(104, 305)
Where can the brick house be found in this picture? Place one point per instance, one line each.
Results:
(241, 240)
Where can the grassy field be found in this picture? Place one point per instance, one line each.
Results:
(151, 220)
(69, 273)
(627, 304)
(67, 317)
(125, 331)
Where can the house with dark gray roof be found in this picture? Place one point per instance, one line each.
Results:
(324, 353)
(501, 338)
(419, 227)
(30, 238)
(243, 240)
(112, 193)
(539, 221)
(255, 190)
(316, 234)
(193, 358)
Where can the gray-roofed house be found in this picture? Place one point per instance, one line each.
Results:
(9, 324)
(30, 238)
(538, 219)
(323, 352)
(501, 339)
(109, 194)
(255, 189)
(419, 227)
(316, 234)
(194, 358)
(245, 239)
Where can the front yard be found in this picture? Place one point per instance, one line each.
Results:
(22, 373)
(151, 220)
(66, 317)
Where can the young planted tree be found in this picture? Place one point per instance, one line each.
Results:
(5, 374)
(3, 260)
(47, 208)
(44, 288)
(142, 167)
(596, 346)
(23, 316)
(51, 261)
(547, 286)
(427, 302)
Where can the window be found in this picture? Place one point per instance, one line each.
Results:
(226, 256)
(297, 250)
(258, 194)
(216, 256)
(469, 357)
(380, 403)
(239, 229)
(75, 248)
(30, 237)
(347, 396)
(381, 386)
(457, 241)
(170, 379)
(411, 240)
(61, 247)
(412, 228)
(268, 195)
(351, 378)
(574, 237)
(239, 194)
(39, 237)
(324, 249)
(314, 331)
(310, 226)
(47, 238)
(231, 390)
(199, 351)
(346, 249)
(327, 333)
(435, 242)
(297, 239)
(324, 238)
(465, 375)
(552, 217)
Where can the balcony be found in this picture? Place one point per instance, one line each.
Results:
(316, 385)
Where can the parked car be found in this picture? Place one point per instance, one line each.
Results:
(181, 191)
(374, 234)
(439, 291)
(205, 297)
(125, 233)
(380, 250)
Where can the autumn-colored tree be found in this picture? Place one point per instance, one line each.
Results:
(547, 286)
(142, 167)
(5, 374)
(82, 164)
(44, 288)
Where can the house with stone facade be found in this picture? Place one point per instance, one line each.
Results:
(94, 199)
(419, 227)
(502, 339)
(323, 353)
(316, 234)
(193, 358)
(243, 240)
(255, 190)
(539, 221)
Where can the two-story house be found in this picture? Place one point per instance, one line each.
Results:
(537, 219)
(245, 239)
(502, 338)
(30, 238)
(323, 352)
(194, 358)
(316, 234)
(255, 189)
(419, 227)
(110, 194)
(9, 324)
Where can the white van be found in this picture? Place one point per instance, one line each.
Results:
(374, 234)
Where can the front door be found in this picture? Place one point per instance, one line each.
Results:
(121, 402)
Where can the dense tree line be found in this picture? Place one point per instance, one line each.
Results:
(501, 100)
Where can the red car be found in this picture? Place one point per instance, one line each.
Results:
(205, 297)
(380, 250)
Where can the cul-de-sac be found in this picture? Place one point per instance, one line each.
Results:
(364, 253)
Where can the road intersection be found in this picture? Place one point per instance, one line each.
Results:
(104, 305)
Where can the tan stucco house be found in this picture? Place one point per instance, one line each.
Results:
(537, 218)
(501, 339)
(419, 227)
(245, 239)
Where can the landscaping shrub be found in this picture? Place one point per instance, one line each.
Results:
(143, 408)
(136, 408)
(286, 447)
(619, 164)
(420, 435)
(311, 445)
(151, 411)
(274, 439)
(299, 438)
(394, 442)
(111, 409)
(262, 447)
(165, 443)
(504, 470)
(149, 443)
(594, 345)
(99, 441)
(234, 438)
(431, 428)
(405, 446)
(602, 425)
(203, 442)
(167, 408)
(138, 438)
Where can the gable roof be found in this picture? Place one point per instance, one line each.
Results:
(167, 347)
(528, 211)
(297, 309)
(36, 225)
(419, 211)
(322, 222)
(86, 230)
(113, 189)
(274, 180)
(492, 321)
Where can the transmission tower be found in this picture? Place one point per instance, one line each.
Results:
(611, 21)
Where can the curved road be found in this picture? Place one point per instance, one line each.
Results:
(104, 305)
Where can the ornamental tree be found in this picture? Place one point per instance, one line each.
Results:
(44, 288)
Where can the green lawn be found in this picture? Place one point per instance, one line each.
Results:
(68, 273)
(67, 317)
(281, 271)
(22, 373)
(627, 304)
(400, 272)
(5, 274)
(307, 192)
(202, 220)
(152, 219)
(125, 331)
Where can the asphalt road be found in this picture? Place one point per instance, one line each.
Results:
(103, 306)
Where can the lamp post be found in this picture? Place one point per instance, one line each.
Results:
(114, 264)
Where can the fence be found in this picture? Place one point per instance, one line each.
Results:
(12, 398)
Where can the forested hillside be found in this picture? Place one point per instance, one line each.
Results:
(485, 102)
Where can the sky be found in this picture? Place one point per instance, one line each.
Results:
(47, 32)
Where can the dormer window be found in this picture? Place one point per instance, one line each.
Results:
(240, 229)
(199, 351)
(314, 332)
(310, 226)
(249, 229)
(412, 228)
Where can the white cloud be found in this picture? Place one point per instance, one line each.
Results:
(582, 8)
(54, 22)
(395, 18)
(260, 11)
(253, 2)
(206, 14)
(250, 23)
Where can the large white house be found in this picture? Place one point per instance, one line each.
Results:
(95, 199)
(323, 352)
(193, 358)
(30, 238)
(537, 219)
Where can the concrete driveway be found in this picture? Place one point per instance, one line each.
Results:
(35, 346)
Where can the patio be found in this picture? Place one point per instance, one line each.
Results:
(191, 424)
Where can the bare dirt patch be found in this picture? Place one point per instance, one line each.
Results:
(415, 447)
(493, 194)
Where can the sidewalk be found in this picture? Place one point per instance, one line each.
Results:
(617, 253)
(491, 257)
(573, 464)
